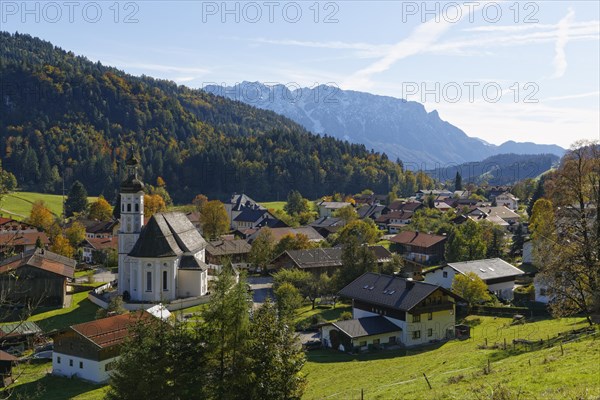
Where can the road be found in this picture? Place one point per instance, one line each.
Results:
(262, 287)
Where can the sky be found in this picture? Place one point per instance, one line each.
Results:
(499, 70)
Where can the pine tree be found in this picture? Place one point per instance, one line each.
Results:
(458, 181)
(77, 202)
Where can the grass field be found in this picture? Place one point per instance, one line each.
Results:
(456, 369)
(17, 205)
(276, 205)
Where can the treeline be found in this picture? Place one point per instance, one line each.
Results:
(63, 115)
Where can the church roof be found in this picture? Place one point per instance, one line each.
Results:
(167, 235)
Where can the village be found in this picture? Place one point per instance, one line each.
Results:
(396, 273)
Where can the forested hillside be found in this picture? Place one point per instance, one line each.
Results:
(63, 114)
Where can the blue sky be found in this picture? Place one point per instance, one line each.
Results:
(499, 70)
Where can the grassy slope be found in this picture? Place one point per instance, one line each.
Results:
(276, 205)
(18, 204)
(390, 375)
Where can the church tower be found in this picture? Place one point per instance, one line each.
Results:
(132, 221)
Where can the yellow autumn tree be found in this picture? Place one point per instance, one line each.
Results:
(61, 245)
(75, 234)
(153, 203)
(40, 216)
(100, 210)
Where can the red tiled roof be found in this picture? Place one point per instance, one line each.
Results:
(42, 259)
(111, 331)
(417, 239)
(4, 356)
(104, 243)
(17, 238)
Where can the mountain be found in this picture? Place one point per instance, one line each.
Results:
(402, 129)
(500, 169)
(63, 116)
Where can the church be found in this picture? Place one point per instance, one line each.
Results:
(162, 260)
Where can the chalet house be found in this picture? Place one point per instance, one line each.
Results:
(6, 363)
(89, 350)
(394, 221)
(508, 200)
(421, 194)
(400, 205)
(389, 311)
(161, 260)
(279, 233)
(95, 250)
(237, 251)
(369, 199)
(100, 229)
(321, 260)
(253, 218)
(16, 337)
(501, 212)
(423, 248)
(497, 274)
(325, 226)
(18, 237)
(372, 211)
(327, 208)
(37, 275)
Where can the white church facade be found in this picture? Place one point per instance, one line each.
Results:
(163, 260)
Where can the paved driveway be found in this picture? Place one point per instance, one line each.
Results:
(262, 287)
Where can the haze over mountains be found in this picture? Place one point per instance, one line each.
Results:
(402, 129)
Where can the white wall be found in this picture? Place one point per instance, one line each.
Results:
(192, 283)
(93, 371)
(503, 289)
(437, 277)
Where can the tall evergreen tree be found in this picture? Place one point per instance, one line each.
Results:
(77, 201)
(458, 181)
(537, 194)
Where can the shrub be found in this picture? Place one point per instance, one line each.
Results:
(346, 315)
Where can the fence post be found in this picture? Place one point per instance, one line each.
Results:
(427, 380)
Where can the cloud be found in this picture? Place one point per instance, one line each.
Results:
(560, 57)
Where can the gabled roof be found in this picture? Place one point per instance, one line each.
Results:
(328, 222)
(95, 226)
(368, 326)
(42, 259)
(24, 328)
(381, 253)
(111, 331)
(390, 291)
(402, 214)
(4, 356)
(334, 205)
(241, 201)
(228, 247)
(167, 235)
(498, 211)
(489, 268)
(191, 262)
(19, 238)
(316, 258)
(102, 243)
(251, 215)
(279, 233)
(367, 211)
(420, 239)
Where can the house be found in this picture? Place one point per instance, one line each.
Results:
(39, 276)
(394, 221)
(253, 218)
(99, 229)
(370, 199)
(423, 248)
(400, 205)
(237, 204)
(95, 250)
(17, 236)
(279, 233)
(237, 251)
(6, 363)
(162, 260)
(508, 200)
(421, 194)
(89, 350)
(321, 260)
(327, 208)
(389, 310)
(372, 211)
(497, 274)
(325, 226)
(16, 337)
(496, 212)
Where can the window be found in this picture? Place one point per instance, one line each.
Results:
(375, 341)
(128, 207)
(363, 343)
(445, 274)
(429, 332)
(430, 316)
(123, 207)
(164, 279)
(80, 364)
(149, 281)
(70, 363)
(137, 207)
(416, 334)
(58, 360)
(416, 318)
